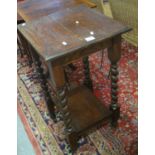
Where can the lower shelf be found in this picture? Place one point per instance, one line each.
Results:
(86, 110)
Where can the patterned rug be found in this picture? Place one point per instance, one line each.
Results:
(48, 138)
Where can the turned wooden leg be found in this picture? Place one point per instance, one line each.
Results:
(114, 53)
(20, 21)
(20, 48)
(71, 136)
(114, 95)
(25, 47)
(59, 78)
(64, 108)
(87, 80)
(44, 85)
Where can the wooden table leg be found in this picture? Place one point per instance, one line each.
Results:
(25, 47)
(114, 53)
(19, 21)
(61, 89)
(87, 80)
(20, 48)
(44, 85)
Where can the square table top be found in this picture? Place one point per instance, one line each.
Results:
(65, 32)
(33, 9)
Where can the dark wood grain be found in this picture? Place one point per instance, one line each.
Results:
(87, 81)
(59, 39)
(24, 47)
(86, 111)
(59, 79)
(82, 106)
(114, 54)
(44, 84)
(61, 27)
(80, 109)
(33, 9)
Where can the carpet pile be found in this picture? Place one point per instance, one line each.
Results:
(48, 138)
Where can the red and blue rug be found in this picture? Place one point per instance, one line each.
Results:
(48, 137)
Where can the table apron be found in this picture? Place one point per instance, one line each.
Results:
(82, 52)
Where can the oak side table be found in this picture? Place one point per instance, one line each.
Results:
(30, 10)
(61, 38)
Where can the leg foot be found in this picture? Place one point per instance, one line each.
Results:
(115, 116)
(72, 139)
